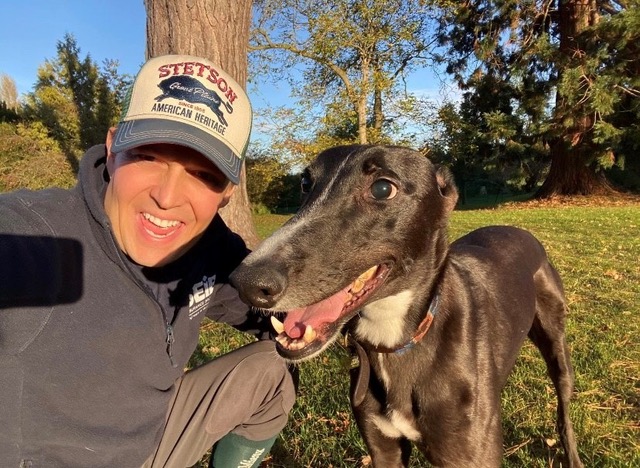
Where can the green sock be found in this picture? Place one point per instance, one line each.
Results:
(234, 451)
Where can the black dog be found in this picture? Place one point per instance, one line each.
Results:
(438, 326)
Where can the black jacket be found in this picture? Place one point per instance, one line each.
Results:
(87, 370)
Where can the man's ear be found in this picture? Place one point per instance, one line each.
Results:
(111, 133)
(227, 196)
(108, 142)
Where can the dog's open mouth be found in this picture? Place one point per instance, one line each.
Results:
(307, 330)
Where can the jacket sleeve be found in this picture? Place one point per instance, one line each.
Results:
(228, 308)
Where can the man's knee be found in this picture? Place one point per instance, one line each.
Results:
(268, 374)
(257, 395)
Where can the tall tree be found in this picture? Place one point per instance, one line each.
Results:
(219, 31)
(552, 56)
(52, 103)
(353, 52)
(75, 99)
(8, 92)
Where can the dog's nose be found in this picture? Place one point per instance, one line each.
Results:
(258, 286)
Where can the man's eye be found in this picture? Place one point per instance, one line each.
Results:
(142, 157)
(214, 180)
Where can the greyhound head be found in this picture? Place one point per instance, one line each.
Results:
(372, 226)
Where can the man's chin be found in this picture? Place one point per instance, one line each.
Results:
(154, 252)
(153, 258)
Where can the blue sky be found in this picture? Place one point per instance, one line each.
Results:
(112, 29)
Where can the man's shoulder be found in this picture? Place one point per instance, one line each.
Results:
(223, 235)
(24, 211)
(222, 247)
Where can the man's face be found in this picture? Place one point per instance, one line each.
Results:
(160, 199)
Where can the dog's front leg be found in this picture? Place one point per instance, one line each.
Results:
(386, 450)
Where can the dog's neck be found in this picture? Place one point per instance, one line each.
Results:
(420, 332)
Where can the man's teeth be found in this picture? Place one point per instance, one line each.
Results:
(163, 223)
(293, 344)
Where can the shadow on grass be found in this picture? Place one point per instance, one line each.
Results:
(491, 201)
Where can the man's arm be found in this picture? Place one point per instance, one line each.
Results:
(227, 307)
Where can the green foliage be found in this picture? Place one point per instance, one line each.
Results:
(8, 114)
(29, 158)
(53, 106)
(571, 79)
(73, 104)
(485, 143)
(269, 184)
(352, 55)
(264, 175)
(75, 99)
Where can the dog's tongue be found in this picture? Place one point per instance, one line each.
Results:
(326, 311)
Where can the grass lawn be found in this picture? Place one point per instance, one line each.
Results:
(597, 252)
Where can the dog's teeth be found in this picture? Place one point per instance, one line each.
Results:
(292, 344)
(357, 286)
(360, 282)
(284, 340)
(309, 334)
(367, 275)
(296, 345)
(277, 325)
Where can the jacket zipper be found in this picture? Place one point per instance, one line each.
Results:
(170, 340)
(169, 335)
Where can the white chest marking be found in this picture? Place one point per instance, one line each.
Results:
(382, 322)
(384, 376)
(395, 425)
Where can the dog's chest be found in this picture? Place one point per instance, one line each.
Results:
(396, 420)
(383, 322)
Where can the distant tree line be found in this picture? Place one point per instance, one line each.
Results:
(548, 101)
(550, 88)
(72, 105)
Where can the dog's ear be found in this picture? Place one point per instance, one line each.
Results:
(447, 187)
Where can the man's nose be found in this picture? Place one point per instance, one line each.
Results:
(169, 189)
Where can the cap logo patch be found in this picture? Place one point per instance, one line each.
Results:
(187, 100)
(189, 89)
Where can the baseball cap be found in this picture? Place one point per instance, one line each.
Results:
(188, 101)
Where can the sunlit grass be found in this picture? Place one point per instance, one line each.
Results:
(597, 252)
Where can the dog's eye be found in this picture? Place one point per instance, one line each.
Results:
(306, 184)
(382, 189)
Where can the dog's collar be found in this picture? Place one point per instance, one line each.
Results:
(422, 330)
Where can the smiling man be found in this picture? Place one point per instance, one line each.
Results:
(161, 199)
(103, 288)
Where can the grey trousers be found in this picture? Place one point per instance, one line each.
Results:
(248, 391)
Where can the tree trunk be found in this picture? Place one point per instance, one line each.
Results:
(362, 102)
(573, 171)
(571, 175)
(219, 31)
(378, 116)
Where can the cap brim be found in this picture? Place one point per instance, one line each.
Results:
(134, 133)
